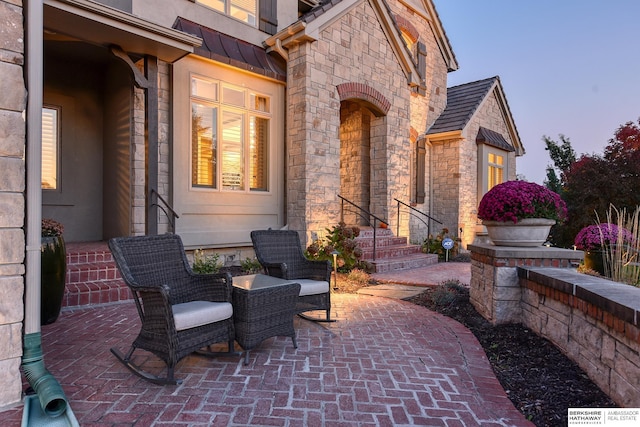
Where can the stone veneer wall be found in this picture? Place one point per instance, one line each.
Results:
(594, 321)
(351, 49)
(424, 111)
(12, 199)
(138, 155)
(494, 290)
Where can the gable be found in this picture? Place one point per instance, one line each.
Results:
(465, 101)
(311, 24)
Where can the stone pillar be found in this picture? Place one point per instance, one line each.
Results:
(12, 199)
(495, 290)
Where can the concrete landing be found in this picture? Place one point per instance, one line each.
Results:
(392, 290)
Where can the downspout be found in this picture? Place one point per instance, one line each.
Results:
(48, 389)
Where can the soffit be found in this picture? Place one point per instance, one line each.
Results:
(102, 25)
(232, 51)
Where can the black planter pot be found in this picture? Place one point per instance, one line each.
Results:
(53, 271)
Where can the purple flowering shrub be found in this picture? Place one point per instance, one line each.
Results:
(597, 236)
(516, 200)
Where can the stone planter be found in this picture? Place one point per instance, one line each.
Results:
(528, 232)
(53, 271)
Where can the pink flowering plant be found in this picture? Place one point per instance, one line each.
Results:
(51, 228)
(516, 200)
(599, 236)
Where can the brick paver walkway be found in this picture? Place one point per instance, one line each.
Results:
(385, 362)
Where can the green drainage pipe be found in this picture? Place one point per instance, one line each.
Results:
(48, 389)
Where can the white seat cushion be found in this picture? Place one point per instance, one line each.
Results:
(312, 287)
(197, 313)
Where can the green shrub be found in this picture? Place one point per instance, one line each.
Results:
(251, 266)
(433, 245)
(341, 238)
(205, 264)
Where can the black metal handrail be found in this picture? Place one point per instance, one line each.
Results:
(413, 211)
(173, 216)
(364, 214)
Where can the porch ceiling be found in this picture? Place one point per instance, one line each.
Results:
(102, 25)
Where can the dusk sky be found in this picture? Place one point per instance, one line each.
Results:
(568, 67)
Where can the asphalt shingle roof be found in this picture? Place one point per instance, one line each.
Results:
(462, 102)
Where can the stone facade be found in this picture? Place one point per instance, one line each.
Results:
(12, 198)
(494, 289)
(424, 110)
(591, 320)
(457, 174)
(138, 160)
(354, 49)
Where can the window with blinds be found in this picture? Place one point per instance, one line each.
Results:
(50, 142)
(230, 129)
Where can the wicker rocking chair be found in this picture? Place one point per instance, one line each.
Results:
(181, 312)
(280, 254)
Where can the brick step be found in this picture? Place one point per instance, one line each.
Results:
(95, 293)
(381, 241)
(392, 252)
(404, 263)
(395, 251)
(92, 276)
(367, 232)
(91, 272)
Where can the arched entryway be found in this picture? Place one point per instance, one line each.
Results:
(363, 165)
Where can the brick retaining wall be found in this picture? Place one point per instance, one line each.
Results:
(594, 321)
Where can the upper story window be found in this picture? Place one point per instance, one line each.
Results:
(50, 148)
(230, 129)
(242, 10)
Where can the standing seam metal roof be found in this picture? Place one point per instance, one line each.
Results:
(230, 50)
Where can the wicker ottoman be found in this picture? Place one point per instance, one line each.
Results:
(263, 307)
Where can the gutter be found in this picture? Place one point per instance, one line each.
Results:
(52, 399)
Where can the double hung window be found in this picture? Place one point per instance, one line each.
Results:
(495, 170)
(230, 128)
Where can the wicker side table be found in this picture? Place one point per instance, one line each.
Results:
(263, 307)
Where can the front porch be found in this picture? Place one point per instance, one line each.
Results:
(93, 279)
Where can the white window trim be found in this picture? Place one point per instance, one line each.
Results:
(483, 167)
(247, 111)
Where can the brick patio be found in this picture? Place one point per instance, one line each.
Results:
(385, 362)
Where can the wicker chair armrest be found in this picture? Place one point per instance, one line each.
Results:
(154, 306)
(215, 287)
(276, 269)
